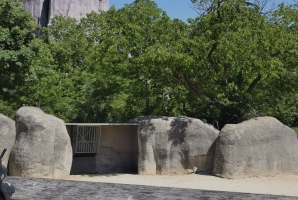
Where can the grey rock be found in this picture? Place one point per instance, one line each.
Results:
(42, 147)
(76, 9)
(144, 118)
(175, 145)
(7, 136)
(258, 147)
(44, 10)
(39, 10)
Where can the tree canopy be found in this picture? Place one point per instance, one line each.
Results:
(233, 62)
(16, 47)
(225, 57)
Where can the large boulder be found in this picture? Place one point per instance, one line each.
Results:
(7, 136)
(258, 147)
(42, 147)
(175, 145)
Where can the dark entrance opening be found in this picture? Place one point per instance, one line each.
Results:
(104, 148)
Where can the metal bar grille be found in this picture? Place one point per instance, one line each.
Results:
(87, 139)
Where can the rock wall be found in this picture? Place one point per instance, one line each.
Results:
(258, 147)
(39, 10)
(44, 10)
(175, 145)
(76, 8)
(7, 136)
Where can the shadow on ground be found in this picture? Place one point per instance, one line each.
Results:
(41, 189)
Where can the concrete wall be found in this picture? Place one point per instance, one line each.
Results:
(39, 10)
(118, 152)
(76, 8)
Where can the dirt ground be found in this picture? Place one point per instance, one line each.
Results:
(279, 185)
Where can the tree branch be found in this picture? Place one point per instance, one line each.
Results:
(198, 93)
(253, 84)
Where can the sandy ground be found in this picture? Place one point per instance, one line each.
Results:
(278, 185)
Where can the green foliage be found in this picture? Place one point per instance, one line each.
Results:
(296, 130)
(125, 84)
(225, 58)
(58, 74)
(6, 109)
(45, 86)
(16, 48)
(231, 63)
(233, 59)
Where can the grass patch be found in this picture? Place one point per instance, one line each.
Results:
(296, 130)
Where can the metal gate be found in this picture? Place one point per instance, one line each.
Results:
(87, 139)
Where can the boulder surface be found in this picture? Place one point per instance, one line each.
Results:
(42, 147)
(175, 145)
(261, 146)
(7, 136)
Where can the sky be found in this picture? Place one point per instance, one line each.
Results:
(180, 9)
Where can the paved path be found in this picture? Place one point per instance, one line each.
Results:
(44, 189)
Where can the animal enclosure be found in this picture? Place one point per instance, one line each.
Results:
(104, 148)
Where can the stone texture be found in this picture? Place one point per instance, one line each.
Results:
(7, 137)
(44, 10)
(144, 118)
(76, 8)
(48, 189)
(39, 10)
(258, 147)
(175, 145)
(42, 147)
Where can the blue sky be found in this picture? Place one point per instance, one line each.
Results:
(177, 8)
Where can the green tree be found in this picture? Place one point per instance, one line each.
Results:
(228, 64)
(56, 76)
(230, 58)
(16, 50)
(16, 53)
(59, 74)
(228, 55)
(126, 83)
